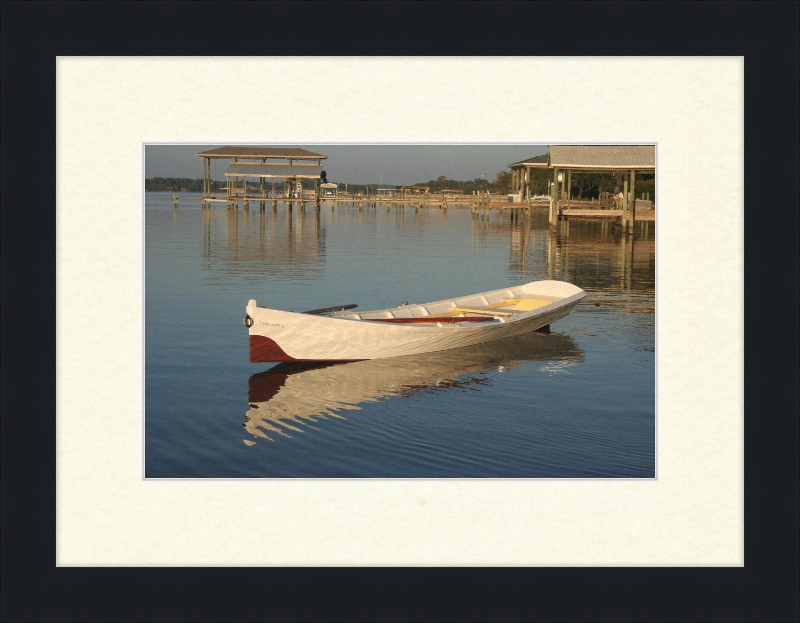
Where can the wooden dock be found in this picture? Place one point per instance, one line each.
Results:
(480, 205)
(579, 214)
(476, 202)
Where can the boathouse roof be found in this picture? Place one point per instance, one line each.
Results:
(285, 153)
(535, 162)
(603, 157)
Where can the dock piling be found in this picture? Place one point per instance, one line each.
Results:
(625, 206)
(633, 201)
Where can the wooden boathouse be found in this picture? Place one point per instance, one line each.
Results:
(562, 160)
(291, 166)
(521, 175)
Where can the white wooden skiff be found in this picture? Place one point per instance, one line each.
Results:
(409, 329)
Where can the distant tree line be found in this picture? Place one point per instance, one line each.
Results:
(178, 184)
(585, 185)
(501, 184)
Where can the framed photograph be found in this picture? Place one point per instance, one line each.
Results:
(512, 332)
(549, 499)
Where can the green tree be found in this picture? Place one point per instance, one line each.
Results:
(502, 182)
(590, 182)
(539, 181)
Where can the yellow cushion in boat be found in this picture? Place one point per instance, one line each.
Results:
(525, 304)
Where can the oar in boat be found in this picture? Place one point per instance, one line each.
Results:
(335, 308)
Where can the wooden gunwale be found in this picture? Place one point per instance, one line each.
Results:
(432, 319)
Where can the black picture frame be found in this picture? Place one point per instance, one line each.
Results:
(766, 588)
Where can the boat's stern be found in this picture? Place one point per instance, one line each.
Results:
(248, 320)
(263, 348)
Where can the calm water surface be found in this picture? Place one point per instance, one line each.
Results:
(576, 403)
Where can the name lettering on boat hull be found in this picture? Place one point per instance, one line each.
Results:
(269, 324)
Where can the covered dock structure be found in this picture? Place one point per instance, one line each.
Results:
(625, 159)
(291, 165)
(562, 160)
(521, 174)
(414, 189)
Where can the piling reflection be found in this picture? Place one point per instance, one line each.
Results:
(597, 255)
(593, 254)
(293, 397)
(264, 241)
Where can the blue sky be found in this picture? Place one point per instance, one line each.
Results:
(362, 164)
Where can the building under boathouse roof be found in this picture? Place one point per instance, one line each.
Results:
(568, 158)
(291, 165)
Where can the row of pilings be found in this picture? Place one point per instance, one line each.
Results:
(479, 202)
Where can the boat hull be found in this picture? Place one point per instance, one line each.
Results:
(277, 336)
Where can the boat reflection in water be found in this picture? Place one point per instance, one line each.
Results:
(294, 396)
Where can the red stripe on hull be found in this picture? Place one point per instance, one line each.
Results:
(265, 350)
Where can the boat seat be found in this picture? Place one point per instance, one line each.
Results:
(488, 309)
(464, 310)
(523, 297)
(526, 304)
(506, 307)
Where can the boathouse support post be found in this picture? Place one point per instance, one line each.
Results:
(228, 182)
(235, 182)
(568, 189)
(528, 185)
(208, 168)
(205, 184)
(208, 180)
(203, 198)
(633, 201)
(529, 199)
(554, 199)
(262, 189)
(625, 212)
